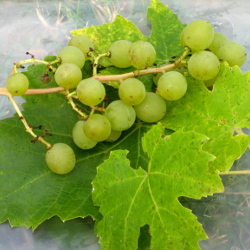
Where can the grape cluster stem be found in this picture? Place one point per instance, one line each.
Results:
(26, 125)
(101, 78)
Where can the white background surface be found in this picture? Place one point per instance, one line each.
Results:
(42, 28)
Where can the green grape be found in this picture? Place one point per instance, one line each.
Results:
(142, 54)
(60, 158)
(218, 40)
(151, 109)
(90, 91)
(132, 91)
(68, 75)
(83, 43)
(114, 136)
(172, 85)
(156, 78)
(232, 52)
(71, 54)
(182, 40)
(79, 137)
(119, 53)
(97, 127)
(198, 35)
(17, 84)
(211, 82)
(120, 115)
(203, 65)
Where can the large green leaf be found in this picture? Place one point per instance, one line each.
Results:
(130, 199)
(29, 192)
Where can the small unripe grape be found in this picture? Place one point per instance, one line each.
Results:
(120, 115)
(132, 91)
(198, 35)
(90, 91)
(97, 127)
(71, 54)
(17, 84)
(172, 85)
(142, 54)
(232, 52)
(203, 65)
(218, 40)
(79, 137)
(151, 109)
(60, 158)
(114, 136)
(68, 75)
(83, 43)
(119, 53)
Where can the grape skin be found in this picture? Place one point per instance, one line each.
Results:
(71, 54)
(83, 43)
(203, 65)
(79, 137)
(198, 35)
(119, 53)
(232, 52)
(151, 109)
(97, 127)
(17, 84)
(60, 158)
(120, 115)
(218, 40)
(114, 136)
(68, 75)
(90, 91)
(172, 85)
(132, 91)
(142, 54)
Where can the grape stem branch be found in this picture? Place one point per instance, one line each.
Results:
(26, 125)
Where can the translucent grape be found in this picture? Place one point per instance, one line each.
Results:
(79, 137)
(119, 53)
(211, 82)
(68, 75)
(203, 65)
(132, 91)
(83, 43)
(152, 108)
(97, 127)
(71, 54)
(232, 52)
(90, 91)
(172, 85)
(198, 35)
(120, 115)
(218, 40)
(17, 84)
(142, 54)
(182, 40)
(60, 158)
(156, 78)
(114, 136)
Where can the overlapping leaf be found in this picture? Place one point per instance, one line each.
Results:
(219, 114)
(130, 199)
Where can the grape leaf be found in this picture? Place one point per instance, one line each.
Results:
(130, 199)
(29, 192)
(220, 114)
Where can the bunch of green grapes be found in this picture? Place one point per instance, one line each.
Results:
(208, 49)
(103, 120)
